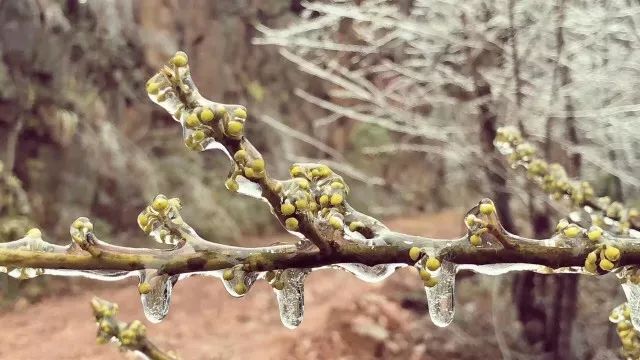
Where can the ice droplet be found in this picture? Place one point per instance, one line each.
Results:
(240, 277)
(291, 297)
(440, 298)
(370, 274)
(632, 292)
(156, 302)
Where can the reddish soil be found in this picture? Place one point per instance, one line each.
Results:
(344, 318)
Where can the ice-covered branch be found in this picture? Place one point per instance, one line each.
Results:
(312, 205)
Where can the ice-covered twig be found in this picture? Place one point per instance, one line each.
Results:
(312, 205)
(129, 337)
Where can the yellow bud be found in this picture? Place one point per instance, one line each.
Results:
(220, 111)
(232, 185)
(562, 224)
(240, 155)
(572, 231)
(144, 288)
(303, 183)
(612, 253)
(297, 171)
(161, 97)
(198, 135)
(324, 171)
(606, 265)
(475, 240)
(595, 233)
(249, 173)
(287, 209)
(355, 225)
(278, 285)
(228, 274)
(591, 267)
(258, 165)
(235, 128)
(431, 282)
(180, 59)
(336, 222)
(206, 115)
(424, 274)
(34, 233)
(592, 257)
(192, 120)
(240, 288)
(324, 200)
(153, 88)
(315, 173)
(291, 224)
(487, 208)
(143, 220)
(623, 325)
(337, 185)
(160, 203)
(336, 199)
(240, 113)
(414, 253)
(302, 204)
(470, 220)
(432, 263)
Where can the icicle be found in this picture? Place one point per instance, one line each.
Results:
(440, 298)
(632, 292)
(291, 297)
(370, 274)
(157, 297)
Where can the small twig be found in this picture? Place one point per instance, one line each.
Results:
(129, 337)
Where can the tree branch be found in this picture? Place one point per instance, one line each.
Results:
(311, 205)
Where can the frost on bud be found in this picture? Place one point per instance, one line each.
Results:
(414, 253)
(432, 263)
(594, 233)
(291, 224)
(612, 253)
(160, 203)
(487, 208)
(572, 231)
(475, 240)
(180, 59)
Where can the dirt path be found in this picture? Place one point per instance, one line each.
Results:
(204, 321)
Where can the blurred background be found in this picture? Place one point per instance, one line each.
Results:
(402, 98)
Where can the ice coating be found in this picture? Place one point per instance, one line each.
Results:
(371, 274)
(156, 301)
(291, 297)
(632, 293)
(312, 205)
(440, 298)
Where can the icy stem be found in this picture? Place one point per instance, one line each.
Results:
(155, 303)
(632, 292)
(440, 298)
(31, 242)
(291, 297)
